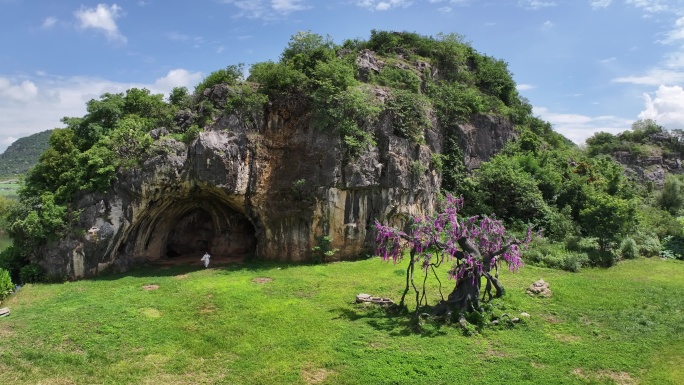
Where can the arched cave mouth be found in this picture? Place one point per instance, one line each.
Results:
(181, 231)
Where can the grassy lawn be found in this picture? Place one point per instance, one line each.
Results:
(9, 188)
(623, 325)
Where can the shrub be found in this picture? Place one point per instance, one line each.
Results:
(298, 188)
(671, 198)
(322, 249)
(12, 259)
(573, 242)
(278, 78)
(544, 253)
(672, 247)
(417, 168)
(6, 286)
(31, 273)
(601, 258)
(649, 246)
(229, 75)
(628, 248)
(404, 79)
(573, 262)
(409, 115)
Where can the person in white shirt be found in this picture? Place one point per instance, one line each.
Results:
(205, 259)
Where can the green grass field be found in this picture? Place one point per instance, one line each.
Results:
(9, 189)
(623, 325)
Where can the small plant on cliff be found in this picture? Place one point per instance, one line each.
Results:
(298, 188)
(477, 245)
(323, 249)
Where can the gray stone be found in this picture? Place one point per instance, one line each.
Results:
(540, 288)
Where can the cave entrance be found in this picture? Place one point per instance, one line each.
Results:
(196, 226)
(192, 235)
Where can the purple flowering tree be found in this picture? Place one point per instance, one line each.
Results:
(477, 247)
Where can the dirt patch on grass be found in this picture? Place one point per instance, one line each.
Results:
(262, 280)
(566, 338)
(552, 319)
(151, 312)
(181, 276)
(492, 350)
(6, 330)
(315, 376)
(619, 378)
(69, 346)
(377, 345)
(57, 381)
(190, 378)
(208, 309)
(151, 287)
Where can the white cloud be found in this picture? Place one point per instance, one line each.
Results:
(17, 92)
(578, 127)
(675, 34)
(547, 25)
(176, 78)
(665, 107)
(536, 4)
(383, 5)
(525, 87)
(444, 9)
(651, 6)
(55, 97)
(7, 141)
(286, 6)
(654, 77)
(49, 22)
(596, 4)
(101, 18)
(175, 36)
(266, 9)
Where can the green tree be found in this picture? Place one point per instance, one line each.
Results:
(509, 191)
(306, 49)
(608, 218)
(671, 198)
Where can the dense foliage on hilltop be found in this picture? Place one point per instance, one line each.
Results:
(646, 138)
(541, 179)
(23, 154)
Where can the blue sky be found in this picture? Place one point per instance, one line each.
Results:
(585, 65)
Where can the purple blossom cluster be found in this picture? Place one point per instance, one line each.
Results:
(434, 238)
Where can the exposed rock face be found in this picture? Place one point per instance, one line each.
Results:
(483, 137)
(268, 192)
(652, 169)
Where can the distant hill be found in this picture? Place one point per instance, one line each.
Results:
(23, 154)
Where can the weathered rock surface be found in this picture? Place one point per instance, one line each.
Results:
(268, 189)
(540, 288)
(652, 168)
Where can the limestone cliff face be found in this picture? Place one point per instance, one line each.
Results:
(649, 169)
(663, 157)
(267, 190)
